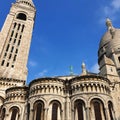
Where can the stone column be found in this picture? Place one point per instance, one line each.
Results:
(45, 114)
(72, 117)
(7, 117)
(114, 117)
(61, 113)
(87, 113)
(107, 114)
(31, 114)
(67, 116)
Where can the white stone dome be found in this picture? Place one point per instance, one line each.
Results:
(110, 41)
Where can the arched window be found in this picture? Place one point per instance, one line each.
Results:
(21, 16)
(98, 110)
(79, 107)
(110, 107)
(54, 111)
(15, 112)
(39, 110)
(28, 111)
(3, 113)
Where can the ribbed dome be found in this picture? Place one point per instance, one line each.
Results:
(105, 39)
(110, 40)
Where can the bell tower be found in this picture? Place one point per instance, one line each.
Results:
(15, 39)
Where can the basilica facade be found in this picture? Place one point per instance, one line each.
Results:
(88, 96)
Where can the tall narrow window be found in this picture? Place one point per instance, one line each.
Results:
(14, 25)
(5, 55)
(7, 47)
(16, 35)
(54, 111)
(78, 106)
(12, 33)
(22, 28)
(15, 58)
(18, 27)
(14, 41)
(16, 51)
(119, 59)
(20, 37)
(12, 49)
(10, 40)
(97, 111)
(7, 65)
(14, 113)
(39, 110)
(3, 113)
(2, 62)
(18, 42)
(28, 111)
(110, 107)
(10, 56)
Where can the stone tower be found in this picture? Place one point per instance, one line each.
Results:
(15, 39)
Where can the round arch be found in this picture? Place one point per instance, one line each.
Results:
(78, 98)
(32, 101)
(55, 99)
(96, 97)
(21, 16)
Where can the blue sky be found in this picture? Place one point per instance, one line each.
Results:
(66, 32)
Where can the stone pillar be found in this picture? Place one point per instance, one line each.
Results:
(87, 113)
(114, 117)
(67, 111)
(61, 112)
(46, 114)
(107, 114)
(7, 117)
(31, 117)
(72, 113)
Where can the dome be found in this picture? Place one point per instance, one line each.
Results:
(105, 39)
(110, 41)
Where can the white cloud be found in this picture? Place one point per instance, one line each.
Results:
(32, 63)
(95, 68)
(110, 10)
(41, 74)
(116, 4)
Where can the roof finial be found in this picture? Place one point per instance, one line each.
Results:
(109, 24)
(71, 70)
(110, 27)
(84, 71)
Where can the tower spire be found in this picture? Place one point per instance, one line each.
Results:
(84, 71)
